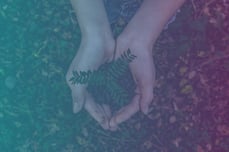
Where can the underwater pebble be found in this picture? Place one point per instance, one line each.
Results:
(172, 119)
(85, 132)
(1, 115)
(10, 82)
(192, 74)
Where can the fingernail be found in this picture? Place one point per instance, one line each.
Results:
(145, 110)
(112, 123)
(113, 127)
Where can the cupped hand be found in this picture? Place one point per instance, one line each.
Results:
(143, 72)
(89, 57)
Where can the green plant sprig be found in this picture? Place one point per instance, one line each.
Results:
(106, 83)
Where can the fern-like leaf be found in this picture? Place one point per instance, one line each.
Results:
(119, 66)
(104, 83)
(81, 77)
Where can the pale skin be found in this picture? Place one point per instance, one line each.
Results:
(97, 45)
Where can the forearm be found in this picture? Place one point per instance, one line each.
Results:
(92, 19)
(150, 20)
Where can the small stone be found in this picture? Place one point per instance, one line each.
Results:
(85, 132)
(17, 124)
(1, 115)
(148, 144)
(172, 119)
(192, 74)
(183, 70)
(56, 29)
(201, 54)
(187, 89)
(5, 7)
(209, 147)
(223, 130)
(199, 149)
(183, 82)
(121, 21)
(10, 82)
(177, 141)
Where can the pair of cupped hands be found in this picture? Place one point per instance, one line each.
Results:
(90, 56)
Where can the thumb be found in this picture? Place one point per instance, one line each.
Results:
(77, 103)
(146, 100)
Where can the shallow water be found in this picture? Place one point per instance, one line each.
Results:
(38, 41)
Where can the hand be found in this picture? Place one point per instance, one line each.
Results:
(143, 71)
(97, 45)
(89, 57)
(139, 36)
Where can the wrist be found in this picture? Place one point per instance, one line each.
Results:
(96, 42)
(134, 42)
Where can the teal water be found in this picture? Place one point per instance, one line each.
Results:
(38, 40)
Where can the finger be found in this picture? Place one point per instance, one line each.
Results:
(126, 112)
(77, 103)
(78, 98)
(146, 98)
(97, 112)
(107, 110)
(146, 85)
(108, 113)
